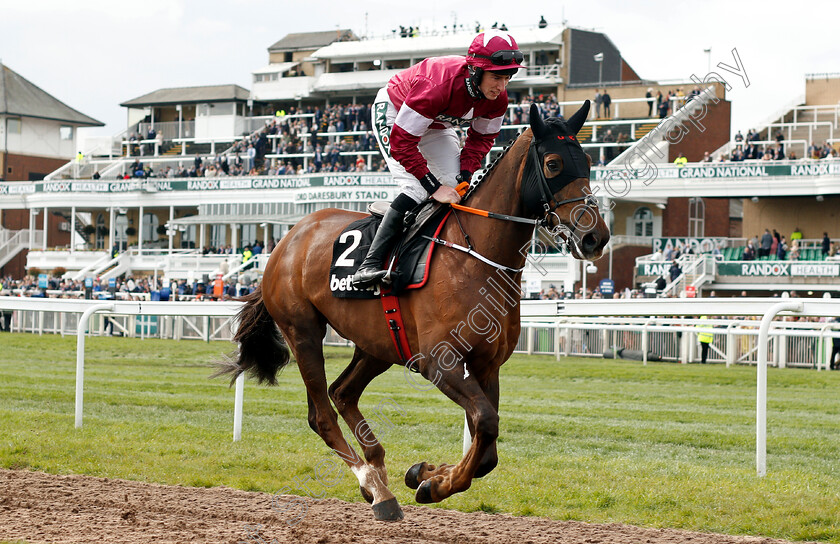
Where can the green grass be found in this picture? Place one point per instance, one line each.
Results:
(664, 445)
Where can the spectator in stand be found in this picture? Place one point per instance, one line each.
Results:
(781, 250)
(661, 282)
(826, 245)
(674, 271)
(606, 99)
(766, 244)
(775, 246)
(598, 100)
(609, 151)
(832, 250)
(664, 105)
(749, 252)
(779, 152)
(680, 161)
(707, 157)
(814, 151)
(649, 96)
(796, 234)
(739, 137)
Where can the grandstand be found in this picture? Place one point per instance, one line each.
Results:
(180, 182)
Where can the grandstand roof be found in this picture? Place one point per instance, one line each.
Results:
(19, 96)
(276, 68)
(422, 46)
(188, 95)
(311, 40)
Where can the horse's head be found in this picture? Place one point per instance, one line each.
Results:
(555, 184)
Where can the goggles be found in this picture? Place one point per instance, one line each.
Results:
(502, 58)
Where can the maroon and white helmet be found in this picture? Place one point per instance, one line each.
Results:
(494, 50)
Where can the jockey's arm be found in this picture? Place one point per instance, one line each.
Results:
(413, 120)
(480, 138)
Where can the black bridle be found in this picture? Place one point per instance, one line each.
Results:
(538, 192)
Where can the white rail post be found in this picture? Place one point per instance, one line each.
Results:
(761, 385)
(237, 407)
(731, 347)
(80, 355)
(781, 344)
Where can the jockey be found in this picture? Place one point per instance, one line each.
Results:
(414, 119)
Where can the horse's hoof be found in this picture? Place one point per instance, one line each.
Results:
(412, 477)
(423, 495)
(366, 495)
(388, 510)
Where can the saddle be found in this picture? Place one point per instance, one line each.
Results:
(409, 261)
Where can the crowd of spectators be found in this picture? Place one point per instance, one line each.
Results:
(747, 148)
(126, 288)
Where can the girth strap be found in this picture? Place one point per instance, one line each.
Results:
(396, 327)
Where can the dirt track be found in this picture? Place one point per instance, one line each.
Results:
(38, 507)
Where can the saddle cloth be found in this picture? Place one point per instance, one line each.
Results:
(413, 252)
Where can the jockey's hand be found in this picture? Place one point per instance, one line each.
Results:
(446, 195)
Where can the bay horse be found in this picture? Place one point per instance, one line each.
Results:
(462, 326)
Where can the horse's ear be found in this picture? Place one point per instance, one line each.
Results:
(536, 121)
(576, 121)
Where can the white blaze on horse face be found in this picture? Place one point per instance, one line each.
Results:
(466, 372)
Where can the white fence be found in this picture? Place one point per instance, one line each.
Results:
(575, 327)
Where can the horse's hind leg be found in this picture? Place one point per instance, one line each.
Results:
(345, 393)
(306, 345)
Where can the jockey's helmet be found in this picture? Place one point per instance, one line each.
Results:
(495, 51)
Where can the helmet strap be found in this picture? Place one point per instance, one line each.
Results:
(473, 82)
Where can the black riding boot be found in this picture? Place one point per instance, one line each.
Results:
(370, 272)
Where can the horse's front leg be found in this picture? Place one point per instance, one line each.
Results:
(433, 483)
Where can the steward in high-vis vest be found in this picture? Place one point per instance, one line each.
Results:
(705, 339)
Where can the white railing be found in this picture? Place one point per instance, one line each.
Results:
(168, 130)
(548, 326)
(549, 315)
(815, 111)
(13, 242)
(811, 125)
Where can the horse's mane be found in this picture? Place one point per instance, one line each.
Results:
(487, 171)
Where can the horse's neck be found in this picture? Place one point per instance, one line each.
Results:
(500, 192)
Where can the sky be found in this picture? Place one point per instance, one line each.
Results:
(94, 54)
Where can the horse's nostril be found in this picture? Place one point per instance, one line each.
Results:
(590, 242)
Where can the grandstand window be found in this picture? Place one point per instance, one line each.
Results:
(188, 237)
(65, 132)
(249, 234)
(120, 237)
(150, 225)
(696, 217)
(218, 235)
(13, 125)
(100, 232)
(218, 108)
(643, 222)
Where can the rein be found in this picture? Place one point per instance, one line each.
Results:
(537, 193)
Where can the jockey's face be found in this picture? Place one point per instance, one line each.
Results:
(492, 84)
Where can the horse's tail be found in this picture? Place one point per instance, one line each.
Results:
(262, 350)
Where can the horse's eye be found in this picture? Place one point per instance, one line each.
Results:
(553, 165)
